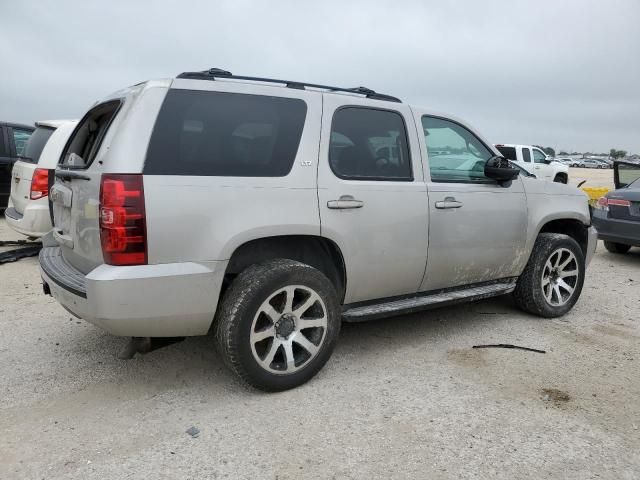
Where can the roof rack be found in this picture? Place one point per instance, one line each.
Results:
(214, 73)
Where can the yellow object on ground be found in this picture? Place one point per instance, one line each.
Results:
(595, 193)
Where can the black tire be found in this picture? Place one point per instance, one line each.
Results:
(241, 304)
(529, 295)
(614, 247)
(560, 179)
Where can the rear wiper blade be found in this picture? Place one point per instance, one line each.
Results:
(71, 175)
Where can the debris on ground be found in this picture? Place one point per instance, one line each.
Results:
(16, 254)
(193, 431)
(507, 345)
(555, 395)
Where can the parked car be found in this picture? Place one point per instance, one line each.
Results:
(592, 163)
(268, 211)
(13, 137)
(571, 162)
(617, 214)
(535, 160)
(28, 212)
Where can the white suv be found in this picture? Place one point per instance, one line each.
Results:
(268, 211)
(28, 212)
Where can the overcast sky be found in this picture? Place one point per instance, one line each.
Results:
(558, 73)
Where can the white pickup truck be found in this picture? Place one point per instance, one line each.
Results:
(535, 161)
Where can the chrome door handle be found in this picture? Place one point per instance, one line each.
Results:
(449, 202)
(345, 202)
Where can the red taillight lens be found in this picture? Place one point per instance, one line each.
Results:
(123, 231)
(619, 203)
(39, 184)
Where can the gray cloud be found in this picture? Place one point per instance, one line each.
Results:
(557, 73)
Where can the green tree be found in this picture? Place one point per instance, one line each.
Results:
(562, 152)
(615, 154)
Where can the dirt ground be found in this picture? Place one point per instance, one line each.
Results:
(404, 397)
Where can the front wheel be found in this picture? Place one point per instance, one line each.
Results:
(277, 324)
(614, 247)
(560, 178)
(552, 280)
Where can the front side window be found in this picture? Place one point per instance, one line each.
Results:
(526, 154)
(369, 144)
(204, 133)
(455, 154)
(20, 138)
(538, 156)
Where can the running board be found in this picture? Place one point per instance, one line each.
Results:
(426, 301)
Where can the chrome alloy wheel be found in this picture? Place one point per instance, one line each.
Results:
(289, 329)
(560, 277)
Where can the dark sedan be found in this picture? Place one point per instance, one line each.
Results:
(617, 214)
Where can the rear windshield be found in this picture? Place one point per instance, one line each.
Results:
(35, 144)
(225, 134)
(507, 152)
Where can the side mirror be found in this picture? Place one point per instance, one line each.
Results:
(499, 169)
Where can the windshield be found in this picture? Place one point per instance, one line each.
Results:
(36, 144)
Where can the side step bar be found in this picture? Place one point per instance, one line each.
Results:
(426, 301)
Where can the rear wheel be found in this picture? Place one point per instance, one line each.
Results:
(277, 324)
(552, 280)
(614, 247)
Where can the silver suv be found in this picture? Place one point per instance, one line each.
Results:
(269, 211)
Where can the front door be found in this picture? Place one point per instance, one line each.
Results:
(372, 196)
(541, 168)
(477, 228)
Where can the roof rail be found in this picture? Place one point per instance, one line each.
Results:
(214, 73)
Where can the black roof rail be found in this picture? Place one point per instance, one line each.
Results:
(214, 73)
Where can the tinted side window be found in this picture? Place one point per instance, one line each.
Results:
(369, 144)
(538, 156)
(526, 154)
(4, 150)
(455, 154)
(35, 144)
(20, 138)
(225, 134)
(507, 152)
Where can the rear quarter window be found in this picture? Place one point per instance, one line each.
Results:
(204, 133)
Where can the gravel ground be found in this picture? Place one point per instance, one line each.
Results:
(405, 397)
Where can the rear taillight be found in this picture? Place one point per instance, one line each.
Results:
(39, 184)
(123, 232)
(604, 203)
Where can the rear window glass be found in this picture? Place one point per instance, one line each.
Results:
(507, 152)
(35, 144)
(225, 134)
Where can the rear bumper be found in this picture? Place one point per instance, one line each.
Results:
(615, 230)
(35, 221)
(166, 300)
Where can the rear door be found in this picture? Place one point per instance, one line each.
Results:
(372, 196)
(477, 228)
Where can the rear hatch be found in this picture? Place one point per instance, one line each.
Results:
(111, 138)
(23, 169)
